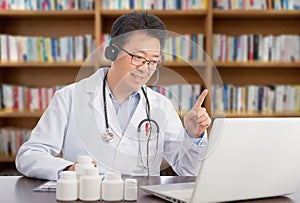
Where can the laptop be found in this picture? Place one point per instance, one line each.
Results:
(246, 158)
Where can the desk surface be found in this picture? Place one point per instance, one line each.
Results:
(17, 189)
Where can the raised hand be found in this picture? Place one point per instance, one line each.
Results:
(197, 119)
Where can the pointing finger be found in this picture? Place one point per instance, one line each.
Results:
(201, 99)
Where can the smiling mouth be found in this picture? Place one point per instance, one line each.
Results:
(137, 76)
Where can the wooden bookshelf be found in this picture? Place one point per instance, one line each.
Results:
(16, 114)
(5, 159)
(256, 14)
(263, 22)
(258, 114)
(160, 13)
(40, 64)
(38, 74)
(99, 21)
(254, 64)
(72, 14)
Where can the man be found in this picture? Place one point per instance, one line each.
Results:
(115, 118)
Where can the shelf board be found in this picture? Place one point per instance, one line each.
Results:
(261, 114)
(41, 64)
(183, 63)
(71, 14)
(16, 114)
(4, 159)
(256, 14)
(257, 64)
(160, 13)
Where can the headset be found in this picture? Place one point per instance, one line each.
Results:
(111, 51)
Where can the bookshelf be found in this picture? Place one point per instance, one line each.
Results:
(98, 21)
(255, 115)
(40, 74)
(16, 114)
(263, 22)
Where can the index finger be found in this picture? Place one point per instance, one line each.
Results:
(201, 98)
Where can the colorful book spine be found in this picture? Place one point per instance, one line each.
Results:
(256, 99)
(182, 96)
(21, 98)
(260, 48)
(45, 49)
(157, 5)
(47, 5)
(257, 4)
(11, 138)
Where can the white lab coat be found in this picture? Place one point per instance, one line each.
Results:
(74, 122)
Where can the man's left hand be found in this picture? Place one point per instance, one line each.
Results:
(197, 119)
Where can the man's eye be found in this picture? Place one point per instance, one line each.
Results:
(153, 61)
(139, 57)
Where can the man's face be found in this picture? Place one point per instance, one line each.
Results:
(134, 76)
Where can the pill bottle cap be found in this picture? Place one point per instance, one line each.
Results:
(68, 175)
(130, 182)
(93, 171)
(112, 176)
(84, 159)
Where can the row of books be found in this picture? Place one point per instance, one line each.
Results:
(45, 49)
(253, 98)
(22, 98)
(182, 96)
(188, 47)
(11, 138)
(227, 98)
(257, 4)
(47, 5)
(154, 4)
(256, 47)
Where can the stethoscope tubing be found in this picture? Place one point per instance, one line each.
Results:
(108, 136)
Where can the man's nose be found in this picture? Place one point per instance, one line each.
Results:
(144, 67)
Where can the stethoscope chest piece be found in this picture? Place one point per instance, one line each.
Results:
(107, 136)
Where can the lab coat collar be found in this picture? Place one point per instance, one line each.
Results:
(94, 86)
(94, 82)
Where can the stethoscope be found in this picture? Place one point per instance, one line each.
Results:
(108, 136)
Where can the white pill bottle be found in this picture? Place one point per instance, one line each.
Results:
(67, 186)
(82, 163)
(90, 185)
(130, 189)
(112, 187)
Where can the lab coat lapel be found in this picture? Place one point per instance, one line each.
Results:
(98, 104)
(113, 121)
(94, 87)
(127, 154)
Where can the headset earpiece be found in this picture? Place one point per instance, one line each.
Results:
(111, 52)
